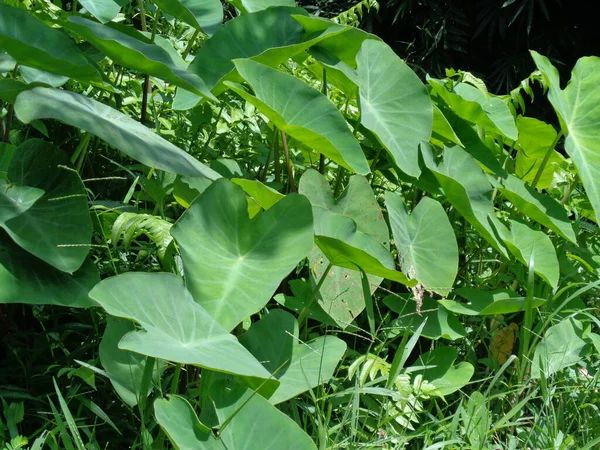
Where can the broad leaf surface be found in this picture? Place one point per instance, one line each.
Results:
(302, 299)
(540, 207)
(175, 328)
(27, 279)
(119, 130)
(577, 107)
(34, 44)
(46, 211)
(145, 57)
(484, 303)
(204, 14)
(250, 6)
(394, 104)
(444, 375)
(31, 76)
(258, 425)
(262, 194)
(302, 112)
(299, 366)
(426, 242)
(341, 293)
(103, 10)
(232, 264)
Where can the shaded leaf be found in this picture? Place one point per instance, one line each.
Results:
(483, 303)
(204, 14)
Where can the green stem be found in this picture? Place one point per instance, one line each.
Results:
(276, 158)
(538, 175)
(304, 313)
(324, 92)
(288, 163)
(190, 44)
(175, 379)
(338, 182)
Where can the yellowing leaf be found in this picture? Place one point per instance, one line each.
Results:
(503, 341)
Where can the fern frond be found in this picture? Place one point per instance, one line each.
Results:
(129, 226)
(353, 16)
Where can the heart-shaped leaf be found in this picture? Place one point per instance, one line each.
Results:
(175, 327)
(233, 264)
(299, 366)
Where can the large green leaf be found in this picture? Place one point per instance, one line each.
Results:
(426, 242)
(181, 424)
(535, 139)
(103, 10)
(27, 279)
(539, 207)
(299, 366)
(256, 424)
(469, 190)
(394, 104)
(137, 54)
(175, 328)
(302, 112)
(34, 44)
(526, 243)
(250, 6)
(562, 346)
(125, 369)
(232, 264)
(578, 110)
(119, 130)
(341, 294)
(441, 373)
(484, 303)
(46, 212)
(204, 14)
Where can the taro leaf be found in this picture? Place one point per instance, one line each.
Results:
(562, 346)
(10, 89)
(299, 366)
(34, 44)
(204, 14)
(485, 303)
(103, 10)
(540, 207)
(31, 75)
(426, 242)
(442, 130)
(264, 195)
(535, 140)
(303, 298)
(180, 423)
(119, 130)
(27, 279)
(446, 377)
(6, 153)
(394, 104)
(441, 323)
(470, 104)
(341, 254)
(341, 294)
(232, 264)
(250, 6)
(302, 112)
(175, 328)
(469, 190)
(577, 108)
(526, 243)
(126, 50)
(44, 208)
(125, 369)
(255, 423)
(244, 37)
(7, 62)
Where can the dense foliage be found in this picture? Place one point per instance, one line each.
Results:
(269, 232)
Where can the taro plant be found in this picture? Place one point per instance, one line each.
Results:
(281, 237)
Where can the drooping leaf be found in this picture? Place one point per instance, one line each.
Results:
(394, 104)
(119, 130)
(442, 130)
(31, 75)
(484, 303)
(299, 366)
(204, 14)
(426, 242)
(125, 369)
(180, 423)
(175, 328)
(126, 50)
(250, 6)
(441, 323)
(341, 293)
(233, 264)
(129, 226)
(34, 44)
(539, 207)
(264, 195)
(577, 108)
(27, 279)
(302, 112)
(562, 346)
(535, 139)
(45, 212)
(103, 10)
(257, 425)
(10, 89)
